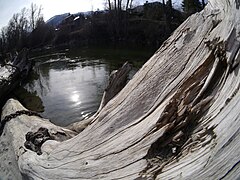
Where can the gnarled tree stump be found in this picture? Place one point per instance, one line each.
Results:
(177, 118)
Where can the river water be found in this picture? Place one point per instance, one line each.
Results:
(67, 87)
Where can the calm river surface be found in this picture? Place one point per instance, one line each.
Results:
(67, 87)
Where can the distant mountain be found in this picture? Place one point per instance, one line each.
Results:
(57, 19)
(85, 13)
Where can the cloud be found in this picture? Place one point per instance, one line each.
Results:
(8, 8)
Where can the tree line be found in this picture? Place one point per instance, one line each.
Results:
(20, 31)
(121, 23)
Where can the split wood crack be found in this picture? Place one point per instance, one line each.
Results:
(183, 112)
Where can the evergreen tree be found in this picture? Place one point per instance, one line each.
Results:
(191, 6)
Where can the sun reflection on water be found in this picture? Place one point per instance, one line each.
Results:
(75, 98)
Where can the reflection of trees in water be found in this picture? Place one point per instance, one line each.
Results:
(29, 99)
(39, 80)
(100, 84)
(43, 79)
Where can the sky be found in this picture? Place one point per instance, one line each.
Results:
(52, 7)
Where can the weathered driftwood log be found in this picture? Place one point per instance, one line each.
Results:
(117, 81)
(15, 138)
(178, 118)
(13, 72)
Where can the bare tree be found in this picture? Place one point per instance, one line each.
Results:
(3, 39)
(109, 5)
(13, 31)
(119, 5)
(3, 34)
(17, 30)
(23, 21)
(131, 4)
(170, 4)
(127, 4)
(35, 15)
(23, 26)
(203, 3)
(19, 26)
(115, 4)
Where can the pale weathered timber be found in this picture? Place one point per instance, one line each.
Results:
(117, 81)
(178, 118)
(13, 138)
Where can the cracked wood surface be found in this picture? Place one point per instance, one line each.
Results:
(177, 118)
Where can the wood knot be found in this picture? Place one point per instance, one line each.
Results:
(34, 140)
